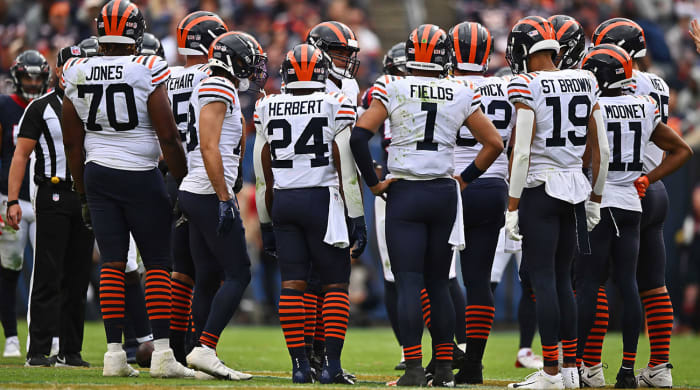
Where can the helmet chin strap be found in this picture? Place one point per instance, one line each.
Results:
(336, 72)
(243, 84)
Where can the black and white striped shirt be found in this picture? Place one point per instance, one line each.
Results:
(42, 122)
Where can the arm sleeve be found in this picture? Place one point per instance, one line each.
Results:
(351, 187)
(31, 123)
(604, 149)
(521, 152)
(260, 185)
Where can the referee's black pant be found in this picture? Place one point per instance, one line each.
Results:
(62, 263)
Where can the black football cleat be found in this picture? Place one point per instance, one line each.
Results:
(626, 379)
(341, 378)
(470, 373)
(71, 360)
(39, 361)
(443, 376)
(457, 357)
(414, 376)
(301, 371)
(401, 366)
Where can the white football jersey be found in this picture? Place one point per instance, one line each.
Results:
(630, 122)
(110, 95)
(650, 84)
(300, 130)
(495, 104)
(563, 102)
(180, 86)
(425, 114)
(348, 87)
(210, 90)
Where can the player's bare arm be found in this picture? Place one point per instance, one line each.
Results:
(23, 150)
(266, 161)
(211, 119)
(164, 124)
(677, 152)
(73, 141)
(597, 143)
(485, 132)
(366, 126)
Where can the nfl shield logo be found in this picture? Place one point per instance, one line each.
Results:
(75, 50)
(56, 197)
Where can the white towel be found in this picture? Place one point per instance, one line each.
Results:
(457, 234)
(337, 230)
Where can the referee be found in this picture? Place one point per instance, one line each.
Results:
(62, 259)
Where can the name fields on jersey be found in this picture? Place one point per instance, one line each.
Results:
(566, 85)
(627, 111)
(431, 92)
(105, 72)
(304, 107)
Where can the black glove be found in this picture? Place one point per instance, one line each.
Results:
(85, 211)
(238, 185)
(358, 236)
(227, 214)
(268, 239)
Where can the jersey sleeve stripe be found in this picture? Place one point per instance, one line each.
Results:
(380, 90)
(346, 112)
(520, 85)
(525, 77)
(151, 62)
(161, 77)
(214, 84)
(525, 91)
(158, 73)
(217, 90)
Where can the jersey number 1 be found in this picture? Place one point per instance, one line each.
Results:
(97, 91)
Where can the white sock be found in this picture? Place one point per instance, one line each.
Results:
(551, 376)
(462, 347)
(524, 351)
(161, 345)
(11, 338)
(114, 347)
(402, 357)
(569, 371)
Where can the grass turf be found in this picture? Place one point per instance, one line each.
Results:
(370, 353)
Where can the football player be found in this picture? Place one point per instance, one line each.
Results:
(631, 122)
(194, 33)
(215, 138)
(339, 46)
(116, 121)
(151, 46)
(426, 112)
(30, 78)
(484, 200)
(652, 253)
(91, 46)
(557, 120)
(572, 41)
(300, 155)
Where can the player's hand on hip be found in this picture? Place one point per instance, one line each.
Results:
(592, 214)
(512, 228)
(358, 235)
(381, 187)
(642, 184)
(227, 215)
(14, 216)
(268, 239)
(462, 184)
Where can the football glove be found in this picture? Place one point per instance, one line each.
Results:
(358, 235)
(512, 228)
(642, 184)
(592, 214)
(85, 211)
(227, 214)
(268, 239)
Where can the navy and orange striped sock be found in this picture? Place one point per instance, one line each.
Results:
(443, 352)
(569, 349)
(425, 307)
(182, 306)
(659, 321)
(207, 339)
(319, 335)
(336, 313)
(112, 302)
(413, 355)
(479, 319)
(550, 355)
(628, 359)
(309, 321)
(159, 301)
(292, 317)
(593, 349)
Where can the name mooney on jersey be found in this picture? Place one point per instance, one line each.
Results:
(629, 111)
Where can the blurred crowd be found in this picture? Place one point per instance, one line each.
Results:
(47, 25)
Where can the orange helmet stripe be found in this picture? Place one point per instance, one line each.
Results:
(472, 46)
(305, 70)
(115, 13)
(122, 21)
(545, 30)
(182, 37)
(618, 24)
(423, 52)
(488, 47)
(336, 30)
(621, 56)
(564, 28)
(458, 52)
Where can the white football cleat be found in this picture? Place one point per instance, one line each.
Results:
(115, 365)
(539, 380)
(657, 376)
(592, 376)
(570, 377)
(11, 347)
(203, 376)
(55, 346)
(527, 359)
(241, 375)
(205, 360)
(164, 365)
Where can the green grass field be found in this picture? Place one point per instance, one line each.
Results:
(370, 353)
